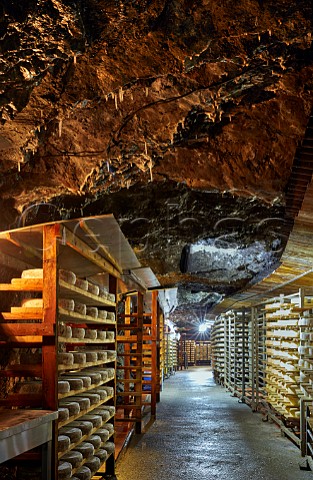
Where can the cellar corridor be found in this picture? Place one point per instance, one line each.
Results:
(201, 432)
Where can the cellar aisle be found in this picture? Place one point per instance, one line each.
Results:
(201, 432)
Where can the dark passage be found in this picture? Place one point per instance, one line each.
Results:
(201, 432)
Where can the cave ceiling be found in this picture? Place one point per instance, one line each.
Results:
(182, 118)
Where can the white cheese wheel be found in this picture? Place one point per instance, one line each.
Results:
(73, 407)
(111, 297)
(93, 463)
(90, 333)
(103, 292)
(101, 335)
(92, 312)
(93, 397)
(82, 376)
(101, 356)
(109, 447)
(80, 308)
(86, 449)
(28, 387)
(109, 427)
(79, 357)
(75, 383)
(82, 284)
(111, 316)
(96, 420)
(102, 455)
(67, 304)
(74, 458)
(91, 356)
(111, 354)
(65, 358)
(104, 414)
(101, 392)
(110, 335)
(32, 273)
(63, 386)
(102, 314)
(65, 331)
(84, 473)
(74, 434)
(64, 471)
(64, 414)
(109, 390)
(95, 440)
(104, 434)
(111, 372)
(85, 427)
(32, 303)
(82, 400)
(78, 333)
(92, 288)
(63, 443)
(67, 276)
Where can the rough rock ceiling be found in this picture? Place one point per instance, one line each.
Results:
(180, 117)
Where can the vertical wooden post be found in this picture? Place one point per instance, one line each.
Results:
(158, 355)
(138, 384)
(49, 344)
(154, 326)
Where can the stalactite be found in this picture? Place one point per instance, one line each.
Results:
(60, 127)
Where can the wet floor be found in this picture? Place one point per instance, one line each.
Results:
(201, 432)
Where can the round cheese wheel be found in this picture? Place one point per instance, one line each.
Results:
(92, 397)
(64, 470)
(72, 407)
(83, 401)
(94, 376)
(103, 293)
(78, 333)
(104, 414)
(109, 390)
(111, 372)
(102, 314)
(101, 335)
(67, 276)
(111, 316)
(85, 427)
(74, 458)
(93, 463)
(32, 303)
(109, 408)
(75, 383)
(82, 284)
(63, 386)
(111, 354)
(110, 427)
(92, 288)
(67, 304)
(84, 473)
(64, 414)
(74, 434)
(80, 308)
(96, 420)
(111, 297)
(109, 447)
(95, 440)
(90, 333)
(63, 443)
(79, 357)
(104, 375)
(101, 392)
(84, 378)
(28, 387)
(101, 356)
(32, 273)
(86, 449)
(91, 356)
(102, 455)
(104, 434)
(92, 312)
(65, 358)
(110, 335)
(65, 331)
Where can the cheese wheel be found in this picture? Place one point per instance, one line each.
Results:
(63, 443)
(32, 273)
(65, 331)
(109, 390)
(93, 463)
(102, 314)
(104, 434)
(103, 293)
(111, 297)
(111, 354)
(109, 427)
(85, 427)
(84, 473)
(111, 316)
(92, 397)
(94, 289)
(90, 333)
(104, 375)
(94, 376)
(73, 407)
(82, 400)
(75, 383)
(74, 458)
(96, 420)
(95, 440)
(79, 357)
(65, 358)
(104, 414)
(64, 471)
(74, 434)
(80, 308)
(92, 312)
(91, 356)
(82, 284)
(63, 386)
(109, 447)
(110, 335)
(101, 392)
(101, 356)
(67, 304)
(67, 276)
(111, 372)
(32, 303)
(110, 408)
(79, 375)
(86, 449)
(64, 414)
(101, 335)
(28, 387)
(78, 333)
(102, 455)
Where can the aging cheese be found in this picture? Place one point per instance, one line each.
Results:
(92, 288)
(82, 400)
(102, 314)
(101, 335)
(32, 273)
(109, 447)
(73, 407)
(63, 386)
(80, 308)
(79, 357)
(82, 376)
(64, 471)
(84, 473)
(90, 333)
(85, 427)
(67, 304)
(63, 443)
(104, 434)
(93, 463)
(95, 440)
(64, 414)
(102, 455)
(78, 333)
(65, 358)
(82, 284)
(75, 383)
(65, 331)
(86, 449)
(105, 414)
(67, 276)
(74, 434)
(74, 458)
(96, 420)
(92, 312)
(92, 397)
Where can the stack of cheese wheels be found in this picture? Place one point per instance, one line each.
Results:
(103, 373)
(93, 398)
(83, 377)
(96, 420)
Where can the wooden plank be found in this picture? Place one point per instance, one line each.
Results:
(23, 285)
(21, 316)
(22, 371)
(13, 330)
(71, 291)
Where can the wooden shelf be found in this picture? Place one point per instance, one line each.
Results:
(74, 317)
(82, 341)
(77, 294)
(84, 412)
(81, 367)
(72, 393)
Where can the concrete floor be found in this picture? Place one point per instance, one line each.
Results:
(201, 432)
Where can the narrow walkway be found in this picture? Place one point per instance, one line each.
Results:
(202, 433)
